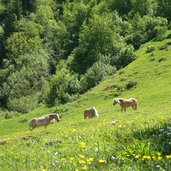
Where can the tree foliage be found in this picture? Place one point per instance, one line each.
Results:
(53, 50)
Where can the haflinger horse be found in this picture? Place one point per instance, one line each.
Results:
(90, 113)
(43, 121)
(124, 103)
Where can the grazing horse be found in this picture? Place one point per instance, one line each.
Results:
(90, 113)
(43, 121)
(124, 103)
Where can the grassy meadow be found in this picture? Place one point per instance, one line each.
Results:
(140, 140)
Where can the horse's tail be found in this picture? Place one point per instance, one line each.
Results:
(95, 112)
(135, 104)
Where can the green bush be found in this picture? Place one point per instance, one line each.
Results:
(126, 56)
(131, 84)
(95, 74)
(150, 49)
(63, 86)
(23, 104)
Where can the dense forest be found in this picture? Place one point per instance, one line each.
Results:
(53, 50)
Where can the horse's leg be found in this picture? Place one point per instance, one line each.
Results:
(136, 106)
(34, 127)
(124, 107)
(121, 108)
(133, 107)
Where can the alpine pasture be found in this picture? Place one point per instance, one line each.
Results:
(139, 140)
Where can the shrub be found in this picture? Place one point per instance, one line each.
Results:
(121, 71)
(7, 114)
(23, 104)
(131, 84)
(126, 56)
(63, 86)
(96, 74)
(164, 47)
(150, 49)
(159, 32)
(162, 59)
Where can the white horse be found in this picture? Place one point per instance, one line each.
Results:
(124, 103)
(43, 121)
(90, 113)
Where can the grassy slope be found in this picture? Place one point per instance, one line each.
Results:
(153, 91)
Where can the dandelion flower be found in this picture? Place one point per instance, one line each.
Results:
(146, 157)
(168, 156)
(82, 144)
(82, 162)
(159, 158)
(102, 161)
(72, 158)
(90, 160)
(81, 156)
(158, 153)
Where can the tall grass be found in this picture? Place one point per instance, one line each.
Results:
(139, 140)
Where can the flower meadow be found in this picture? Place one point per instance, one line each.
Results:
(95, 145)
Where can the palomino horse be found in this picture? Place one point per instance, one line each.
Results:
(43, 121)
(124, 103)
(90, 113)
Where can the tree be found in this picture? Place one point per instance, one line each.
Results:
(164, 8)
(26, 78)
(98, 37)
(144, 7)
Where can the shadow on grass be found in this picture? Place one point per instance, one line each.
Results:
(159, 137)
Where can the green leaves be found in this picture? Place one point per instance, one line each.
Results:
(97, 38)
(28, 77)
(79, 32)
(18, 44)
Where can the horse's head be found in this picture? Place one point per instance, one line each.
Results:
(54, 116)
(116, 100)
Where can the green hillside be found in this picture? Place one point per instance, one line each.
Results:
(140, 140)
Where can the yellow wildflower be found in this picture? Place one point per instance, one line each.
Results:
(168, 156)
(82, 144)
(158, 153)
(159, 158)
(146, 157)
(81, 156)
(102, 161)
(82, 162)
(72, 158)
(90, 160)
